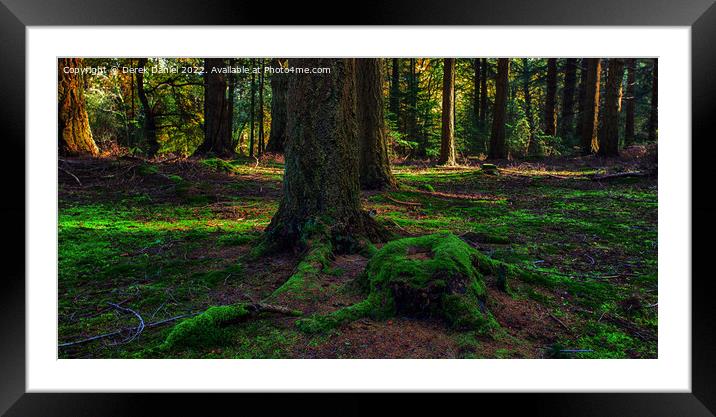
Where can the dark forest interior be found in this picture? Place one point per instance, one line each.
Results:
(357, 208)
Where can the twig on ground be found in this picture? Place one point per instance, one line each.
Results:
(140, 327)
(407, 203)
(559, 321)
(72, 175)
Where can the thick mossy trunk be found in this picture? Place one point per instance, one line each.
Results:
(447, 138)
(570, 80)
(320, 186)
(590, 114)
(374, 165)
(217, 111)
(609, 135)
(498, 148)
(74, 134)
(279, 89)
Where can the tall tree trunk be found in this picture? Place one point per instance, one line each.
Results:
(374, 166)
(252, 115)
(609, 134)
(395, 92)
(570, 80)
(476, 96)
(74, 133)
(150, 125)
(630, 102)
(279, 87)
(580, 98)
(590, 115)
(550, 106)
(217, 111)
(261, 109)
(320, 185)
(526, 78)
(447, 138)
(498, 148)
(412, 119)
(483, 93)
(654, 114)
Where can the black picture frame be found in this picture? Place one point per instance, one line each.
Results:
(15, 15)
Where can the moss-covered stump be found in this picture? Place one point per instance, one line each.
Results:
(429, 276)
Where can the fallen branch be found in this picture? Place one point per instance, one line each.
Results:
(139, 328)
(407, 203)
(559, 321)
(72, 175)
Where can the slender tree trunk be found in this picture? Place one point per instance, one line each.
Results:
(526, 78)
(74, 133)
(570, 80)
(320, 186)
(217, 111)
(609, 134)
(395, 91)
(498, 148)
(252, 109)
(580, 98)
(476, 96)
(230, 125)
(412, 122)
(447, 138)
(654, 114)
(590, 115)
(150, 126)
(483, 94)
(374, 166)
(262, 145)
(630, 102)
(550, 107)
(279, 87)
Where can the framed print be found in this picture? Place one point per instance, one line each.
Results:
(437, 198)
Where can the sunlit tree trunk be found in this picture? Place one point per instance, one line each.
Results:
(498, 148)
(630, 105)
(279, 86)
(550, 107)
(570, 80)
(590, 114)
(609, 134)
(374, 166)
(74, 134)
(150, 126)
(447, 138)
(320, 186)
(217, 110)
(653, 115)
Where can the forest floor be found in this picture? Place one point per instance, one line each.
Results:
(164, 239)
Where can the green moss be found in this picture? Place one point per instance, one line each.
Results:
(317, 259)
(218, 165)
(205, 329)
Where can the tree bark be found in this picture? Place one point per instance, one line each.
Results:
(580, 98)
(630, 102)
(395, 91)
(217, 111)
(150, 125)
(447, 139)
(483, 93)
(74, 133)
(609, 134)
(279, 86)
(252, 115)
(654, 114)
(412, 110)
(498, 148)
(476, 96)
(590, 113)
(320, 186)
(526, 78)
(570, 80)
(374, 165)
(262, 145)
(550, 107)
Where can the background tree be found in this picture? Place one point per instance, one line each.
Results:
(412, 108)
(581, 93)
(374, 165)
(447, 139)
(630, 105)
(609, 134)
(526, 80)
(320, 186)
(653, 115)
(570, 80)
(395, 91)
(74, 134)
(150, 125)
(279, 87)
(590, 114)
(497, 137)
(252, 111)
(217, 110)
(262, 144)
(483, 93)
(550, 107)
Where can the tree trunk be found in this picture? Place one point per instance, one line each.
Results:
(654, 114)
(630, 102)
(217, 111)
(279, 86)
(498, 149)
(395, 92)
(412, 122)
(590, 114)
(252, 116)
(609, 135)
(74, 133)
(580, 98)
(447, 139)
(320, 186)
(526, 77)
(262, 145)
(483, 93)
(476, 96)
(150, 125)
(570, 80)
(374, 166)
(550, 107)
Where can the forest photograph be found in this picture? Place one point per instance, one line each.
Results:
(350, 208)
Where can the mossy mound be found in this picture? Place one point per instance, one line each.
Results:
(205, 329)
(429, 276)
